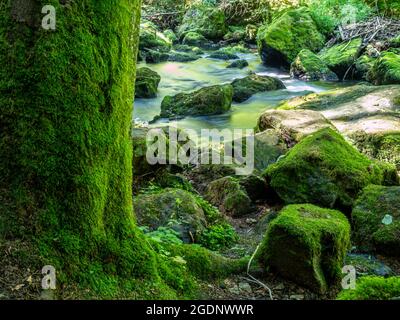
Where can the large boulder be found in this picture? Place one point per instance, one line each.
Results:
(206, 101)
(325, 170)
(340, 58)
(147, 82)
(194, 39)
(208, 21)
(175, 208)
(307, 245)
(386, 70)
(293, 125)
(280, 42)
(309, 67)
(364, 108)
(244, 88)
(376, 220)
(229, 196)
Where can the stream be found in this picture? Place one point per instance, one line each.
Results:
(177, 77)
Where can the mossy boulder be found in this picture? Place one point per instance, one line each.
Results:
(235, 34)
(376, 220)
(239, 64)
(175, 208)
(152, 38)
(206, 20)
(293, 125)
(171, 36)
(340, 58)
(367, 108)
(309, 67)
(147, 82)
(206, 101)
(386, 69)
(244, 88)
(176, 56)
(155, 56)
(307, 245)
(281, 41)
(325, 170)
(194, 39)
(373, 288)
(188, 49)
(229, 196)
(384, 147)
(223, 55)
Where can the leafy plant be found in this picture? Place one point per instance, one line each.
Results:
(218, 236)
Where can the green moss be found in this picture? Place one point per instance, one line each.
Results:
(152, 38)
(218, 236)
(244, 88)
(307, 244)
(373, 288)
(363, 65)
(324, 169)
(240, 64)
(386, 69)
(368, 214)
(206, 101)
(147, 82)
(339, 58)
(280, 42)
(194, 39)
(309, 67)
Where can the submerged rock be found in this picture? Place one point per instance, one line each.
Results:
(293, 125)
(307, 245)
(244, 88)
(206, 20)
(280, 42)
(371, 230)
(147, 82)
(175, 208)
(182, 57)
(229, 196)
(309, 67)
(206, 101)
(386, 69)
(341, 57)
(325, 170)
(240, 64)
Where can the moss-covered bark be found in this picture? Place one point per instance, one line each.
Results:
(65, 148)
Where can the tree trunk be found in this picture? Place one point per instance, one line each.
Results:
(66, 101)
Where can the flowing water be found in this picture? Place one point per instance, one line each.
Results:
(179, 77)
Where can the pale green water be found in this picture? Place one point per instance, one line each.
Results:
(185, 77)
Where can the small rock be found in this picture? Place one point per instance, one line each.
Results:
(234, 290)
(245, 287)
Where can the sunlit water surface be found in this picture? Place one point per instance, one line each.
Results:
(179, 77)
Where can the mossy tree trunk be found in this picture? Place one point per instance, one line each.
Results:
(65, 148)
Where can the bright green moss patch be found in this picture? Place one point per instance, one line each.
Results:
(280, 42)
(386, 69)
(324, 169)
(376, 219)
(341, 57)
(373, 288)
(307, 244)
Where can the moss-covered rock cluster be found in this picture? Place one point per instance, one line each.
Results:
(307, 244)
(206, 101)
(280, 42)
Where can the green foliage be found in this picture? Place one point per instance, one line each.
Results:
(218, 237)
(329, 14)
(162, 234)
(386, 69)
(307, 244)
(373, 288)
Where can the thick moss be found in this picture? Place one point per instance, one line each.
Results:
(182, 56)
(325, 170)
(240, 64)
(309, 67)
(171, 36)
(147, 82)
(244, 88)
(368, 215)
(307, 244)
(66, 153)
(280, 42)
(373, 288)
(206, 101)
(341, 57)
(223, 55)
(229, 196)
(205, 20)
(194, 39)
(386, 69)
